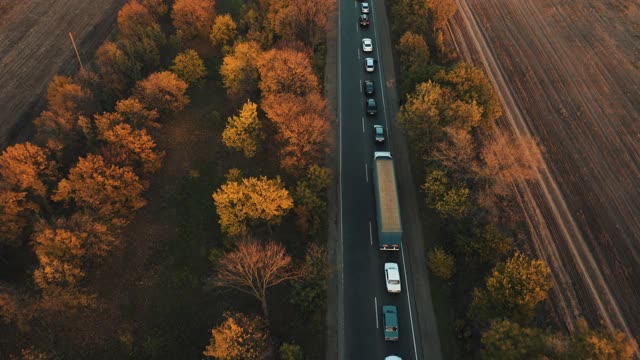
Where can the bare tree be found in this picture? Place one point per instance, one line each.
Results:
(254, 267)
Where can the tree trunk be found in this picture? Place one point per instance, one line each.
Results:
(265, 309)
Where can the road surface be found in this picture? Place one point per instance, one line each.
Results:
(362, 291)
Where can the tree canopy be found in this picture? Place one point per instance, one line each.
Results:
(251, 201)
(239, 337)
(513, 290)
(162, 91)
(244, 131)
(193, 18)
(189, 67)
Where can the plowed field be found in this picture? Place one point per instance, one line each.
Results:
(568, 73)
(35, 45)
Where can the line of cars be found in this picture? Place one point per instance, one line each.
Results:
(391, 269)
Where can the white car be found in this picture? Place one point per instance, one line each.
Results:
(392, 277)
(367, 45)
(364, 7)
(369, 64)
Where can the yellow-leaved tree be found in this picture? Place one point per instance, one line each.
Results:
(243, 131)
(238, 337)
(240, 204)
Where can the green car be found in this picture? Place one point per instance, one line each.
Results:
(390, 323)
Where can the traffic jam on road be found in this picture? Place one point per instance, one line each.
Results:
(389, 227)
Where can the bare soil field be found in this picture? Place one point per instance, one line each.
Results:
(568, 73)
(35, 45)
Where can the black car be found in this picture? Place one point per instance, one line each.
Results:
(364, 20)
(372, 108)
(369, 87)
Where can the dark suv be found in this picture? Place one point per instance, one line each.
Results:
(369, 87)
(372, 108)
(364, 20)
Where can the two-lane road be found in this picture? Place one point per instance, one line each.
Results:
(362, 287)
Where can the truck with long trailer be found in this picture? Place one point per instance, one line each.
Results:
(387, 204)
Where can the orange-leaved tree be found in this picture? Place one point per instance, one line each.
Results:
(239, 337)
(193, 18)
(133, 148)
(27, 167)
(136, 114)
(254, 267)
(286, 71)
(162, 91)
(16, 213)
(302, 128)
(65, 96)
(110, 192)
(250, 201)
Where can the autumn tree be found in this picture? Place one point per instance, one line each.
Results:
(239, 70)
(291, 352)
(117, 70)
(27, 167)
(162, 91)
(15, 215)
(65, 96)
(450, 201)
(133, 148)
(239, 337)
(255, 267)
(471, 85)
(109, 191)
(441, 264)
(136, 114)
(57, 131)
(302, 129)
(602, 344)
(457, 153)
(31, 353)
(193, 18)
(509, 341)
(411, 16)
(60, 254)
(224, 33)
(251, 201)
(310, 199)
(309, 291)
(140, 35)
(507, 160)
(487, 246)
(440, 11)
(422, 115)
(157, 8)
(414, 60)
(299, 21)
(189, 67)
(286, 71)
(513, 290)
(243, 132)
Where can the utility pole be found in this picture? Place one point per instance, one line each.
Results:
(76, 49)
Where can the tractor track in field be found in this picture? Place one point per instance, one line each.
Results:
(568, 73)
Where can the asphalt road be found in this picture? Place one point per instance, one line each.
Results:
(363, 289)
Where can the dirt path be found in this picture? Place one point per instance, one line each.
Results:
(34, 46)
(568, 73)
